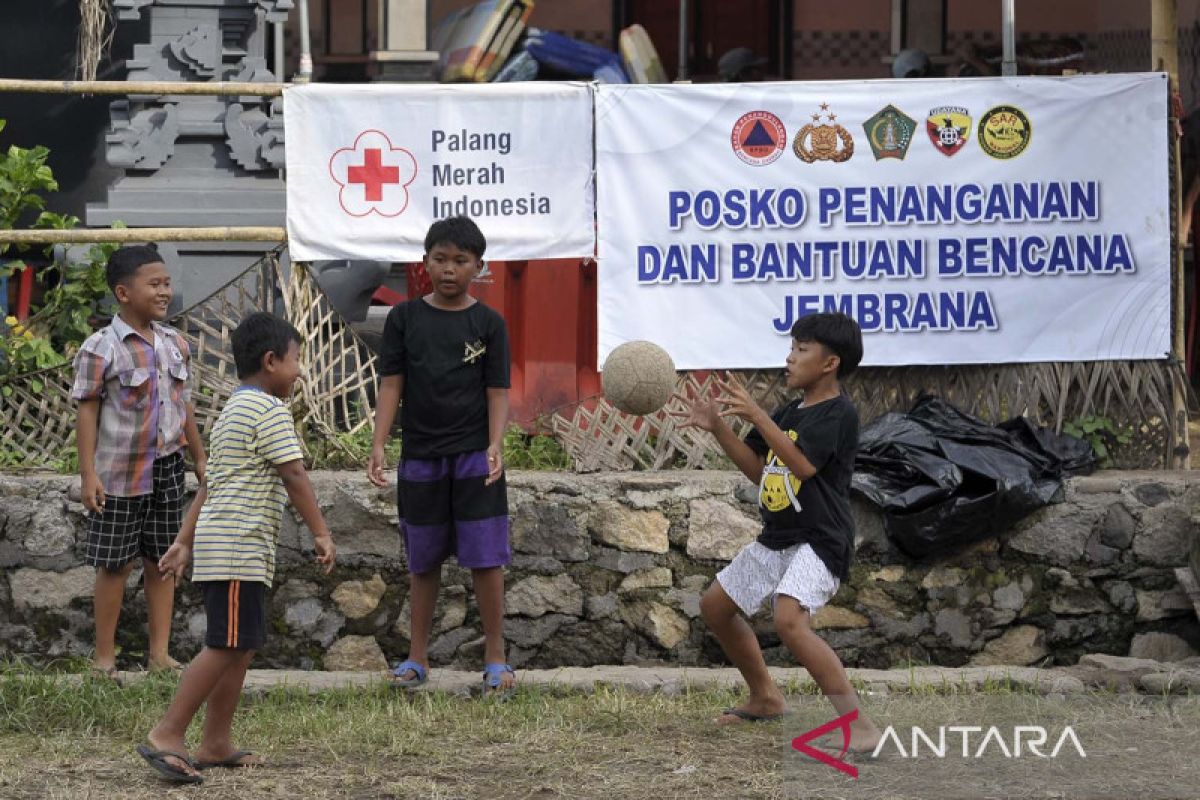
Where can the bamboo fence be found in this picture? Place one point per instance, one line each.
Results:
(333, 394)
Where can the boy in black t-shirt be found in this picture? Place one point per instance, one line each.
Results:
(446, 356)
(801, 457)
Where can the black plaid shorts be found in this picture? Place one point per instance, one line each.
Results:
(144, 525)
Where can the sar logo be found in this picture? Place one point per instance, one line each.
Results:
(828, 142)
(758, 138)
(948, 128)
(1004, 132)
(889, 133)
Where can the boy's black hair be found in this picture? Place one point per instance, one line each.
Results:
(255, 336)
(462, 232)
(837, 332)
(124, 263)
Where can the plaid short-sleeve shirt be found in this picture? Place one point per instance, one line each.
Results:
(144, 388)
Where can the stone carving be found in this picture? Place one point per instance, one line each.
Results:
(199, 49)
(255, 139)
(142, 139)
(198, 160)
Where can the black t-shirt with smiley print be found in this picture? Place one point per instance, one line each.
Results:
(815, 511)
(448, 359)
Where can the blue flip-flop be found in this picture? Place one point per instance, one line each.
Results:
(409, 683)
(492, 681)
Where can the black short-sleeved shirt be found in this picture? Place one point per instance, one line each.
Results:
(815, 511)
(449, 359)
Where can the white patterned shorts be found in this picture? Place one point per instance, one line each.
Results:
(758, 573)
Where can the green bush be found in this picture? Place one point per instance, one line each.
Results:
(1102, 434)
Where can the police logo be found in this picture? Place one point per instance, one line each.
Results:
(829, 142)
(758, 138)
(889, 133)
(1004, 132)
(948, 128)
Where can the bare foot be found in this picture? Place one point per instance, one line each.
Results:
(163, 664)
(754, 710)
(105, 671)
(864, 738)
(173, 745)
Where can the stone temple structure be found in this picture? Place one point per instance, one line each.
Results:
(198, 160)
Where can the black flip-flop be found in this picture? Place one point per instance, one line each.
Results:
(158, 760)
(750, 716)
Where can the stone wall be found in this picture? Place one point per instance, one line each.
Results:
(609, 569)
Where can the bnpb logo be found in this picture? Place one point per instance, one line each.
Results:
(758, 138)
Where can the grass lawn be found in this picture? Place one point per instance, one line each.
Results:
(62, 740)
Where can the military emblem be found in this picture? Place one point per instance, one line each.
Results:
(948, 128)
(758, 138)
(889, 133)
(779, 487)
(1004, 132)
(829, 142)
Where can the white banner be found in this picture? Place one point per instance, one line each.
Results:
(369, 167)
(959, 221)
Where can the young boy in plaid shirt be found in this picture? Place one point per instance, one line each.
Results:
(135, 418)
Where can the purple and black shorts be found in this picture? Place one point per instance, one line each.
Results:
(445, 509)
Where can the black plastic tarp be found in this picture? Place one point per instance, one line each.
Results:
(943, 478)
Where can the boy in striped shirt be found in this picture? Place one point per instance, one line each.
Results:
(230, 535)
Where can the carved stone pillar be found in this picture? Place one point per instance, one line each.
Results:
(198, 160)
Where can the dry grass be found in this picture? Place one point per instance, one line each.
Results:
(58, 741)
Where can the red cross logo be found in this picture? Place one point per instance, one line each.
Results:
(373, 176)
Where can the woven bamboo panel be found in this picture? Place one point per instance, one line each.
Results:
(37, 420)
(335, 391)
(207, 326)
(1134, 395)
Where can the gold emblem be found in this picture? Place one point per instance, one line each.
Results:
(473, 351)
(1004, 132)
(779, 487)
(821, 142)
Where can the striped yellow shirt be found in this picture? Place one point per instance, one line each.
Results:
(238, 528)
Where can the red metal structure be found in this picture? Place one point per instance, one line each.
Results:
(550, 308)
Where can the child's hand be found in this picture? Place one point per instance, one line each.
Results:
(93, 493)
(326, 551)
(736, 401)
(375, 467)
(703, 414)
(495, 459)
(175, 561)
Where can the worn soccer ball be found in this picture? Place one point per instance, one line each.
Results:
(638, 377)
